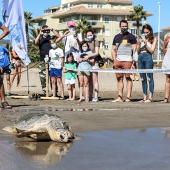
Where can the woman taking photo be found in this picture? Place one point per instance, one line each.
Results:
(146, 47)
(93, 80)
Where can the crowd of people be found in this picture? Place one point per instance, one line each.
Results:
(82, 54)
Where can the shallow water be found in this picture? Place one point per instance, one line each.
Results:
(137, 149)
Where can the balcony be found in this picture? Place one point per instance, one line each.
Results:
(95, 23)
(62, 26)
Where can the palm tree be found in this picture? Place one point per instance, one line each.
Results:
(136, 15)
(28, 22)
(82, 26)
(33, 50)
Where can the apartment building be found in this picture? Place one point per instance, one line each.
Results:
(103, 15)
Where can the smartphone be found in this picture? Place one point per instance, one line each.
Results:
(143, 37)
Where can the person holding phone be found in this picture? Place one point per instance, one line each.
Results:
(146, 46)
(43, 41)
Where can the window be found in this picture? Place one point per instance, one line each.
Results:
(106, 46)
(115, 7)
(90, 5)
(99, 5)
(133, 31)
(119, 19)
(123, 7)
(47, 11)
(107, 33)
(106, 19)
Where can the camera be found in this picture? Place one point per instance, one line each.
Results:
(75, 35)
(82, 55)
(46, 31)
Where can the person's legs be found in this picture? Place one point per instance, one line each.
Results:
(95, 84)
(8, 84)
(60, 82)
(42, 74)
(14, 75)
(19, 76)
(91, 86)
(81, 83)
(53, 83)
(167, 88)
(129, 89)
(120, 85)
(69, 92)
(86, 85)
(141, 65)
(73, 92)
(149, 65)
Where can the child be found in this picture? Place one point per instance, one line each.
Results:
(70, 77)
(83, 61)
(56, 63)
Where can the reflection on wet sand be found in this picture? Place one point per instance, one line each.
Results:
(43, 152)
(54, 109)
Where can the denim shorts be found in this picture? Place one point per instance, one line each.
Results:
(54, 72)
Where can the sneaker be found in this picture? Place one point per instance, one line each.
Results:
(95, 99)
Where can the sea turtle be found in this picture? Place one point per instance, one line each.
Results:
(42, 126)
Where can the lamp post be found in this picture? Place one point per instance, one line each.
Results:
(158, 55)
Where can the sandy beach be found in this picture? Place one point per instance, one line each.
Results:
(98, 115)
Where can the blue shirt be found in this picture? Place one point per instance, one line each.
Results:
(1, 24)
(85, 65)
(4, 60)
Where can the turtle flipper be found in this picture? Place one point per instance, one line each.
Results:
(26, 133)
(10, 129)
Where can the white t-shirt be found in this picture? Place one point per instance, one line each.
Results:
(71, 45)
(55, 56)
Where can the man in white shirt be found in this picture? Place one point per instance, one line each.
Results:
(70, 40)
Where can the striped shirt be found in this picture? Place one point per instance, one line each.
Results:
(124, 46)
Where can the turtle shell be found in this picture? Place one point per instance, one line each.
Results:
(28, 121)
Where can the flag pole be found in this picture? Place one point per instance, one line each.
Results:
(28, 82)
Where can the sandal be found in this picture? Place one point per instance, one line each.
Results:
(127, 99)
(148, 101)
(61, 98)
(165, 100)
(6, 105)
(143, 100)
(117, 100)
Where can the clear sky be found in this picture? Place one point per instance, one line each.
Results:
(37, 7)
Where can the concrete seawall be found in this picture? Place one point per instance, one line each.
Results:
(107, 82)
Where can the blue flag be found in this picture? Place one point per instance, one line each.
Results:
(13, 17)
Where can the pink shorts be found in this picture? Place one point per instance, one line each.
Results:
(122, 65)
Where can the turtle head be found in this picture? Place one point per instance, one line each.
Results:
(62, 135)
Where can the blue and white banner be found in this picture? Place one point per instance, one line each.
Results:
(13, 17)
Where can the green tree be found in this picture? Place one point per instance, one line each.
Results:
(136, 15)
(33, 50)
(82, 26)
(28, 22)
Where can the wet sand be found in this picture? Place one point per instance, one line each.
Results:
(92, 116)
